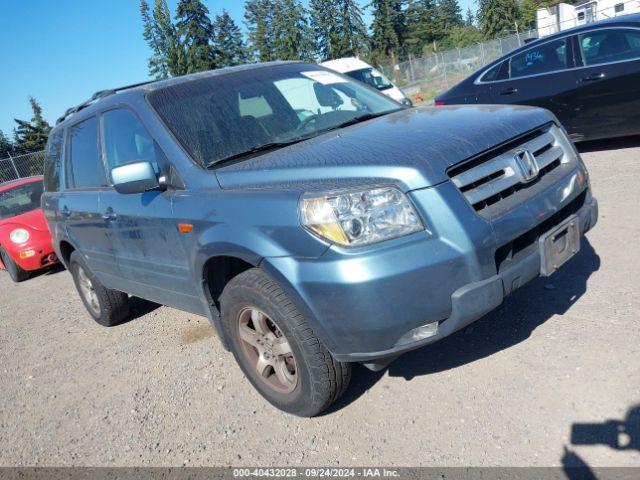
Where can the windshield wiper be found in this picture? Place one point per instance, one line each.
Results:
(358, 119)
(253, 150)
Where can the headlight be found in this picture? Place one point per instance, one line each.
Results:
(19, 235)
(406, 102)
(360, 217)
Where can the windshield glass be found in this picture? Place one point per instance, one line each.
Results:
(372, 77)
(220, 117)
(20, 199)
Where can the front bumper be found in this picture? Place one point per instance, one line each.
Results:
(35, 254)
(360, 303)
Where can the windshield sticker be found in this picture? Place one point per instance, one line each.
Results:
(325, 78)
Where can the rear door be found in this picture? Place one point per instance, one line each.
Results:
(607, 95)
(540, 76)
(79, 204)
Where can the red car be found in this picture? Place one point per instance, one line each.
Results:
(25, 241)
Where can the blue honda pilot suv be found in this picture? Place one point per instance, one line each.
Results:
(313, 220)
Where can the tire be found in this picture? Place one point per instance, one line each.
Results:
(251, 299)
(17, 273)
(107, 307)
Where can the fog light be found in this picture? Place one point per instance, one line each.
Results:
(27, 253)
(420, 333)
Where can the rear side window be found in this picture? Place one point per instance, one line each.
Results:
(85, 166)
(611, 45)
(491, 74)
(548, 57)
(52, 162)
(125, 139)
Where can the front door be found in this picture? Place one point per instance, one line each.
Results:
(151, 260)
(607, 92)
(539, 76)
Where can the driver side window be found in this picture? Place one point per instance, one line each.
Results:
(126, 140)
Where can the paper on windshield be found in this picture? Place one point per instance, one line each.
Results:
(323, 77)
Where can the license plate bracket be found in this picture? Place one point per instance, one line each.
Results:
(559, 245)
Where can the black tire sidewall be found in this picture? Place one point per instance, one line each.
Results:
(110, 314)
(16, 273)
(243, 297)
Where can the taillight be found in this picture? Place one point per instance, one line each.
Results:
(438, 103)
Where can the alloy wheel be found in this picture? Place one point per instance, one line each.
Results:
(267, 350)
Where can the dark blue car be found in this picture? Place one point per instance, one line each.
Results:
(588, 76)
(313, 220)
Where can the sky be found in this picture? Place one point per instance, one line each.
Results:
(61, 52)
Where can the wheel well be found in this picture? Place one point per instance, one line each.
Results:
(66, 249)
(218, 271)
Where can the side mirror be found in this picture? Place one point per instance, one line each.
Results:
(135, 177)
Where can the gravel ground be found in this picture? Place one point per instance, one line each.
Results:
(160, 390)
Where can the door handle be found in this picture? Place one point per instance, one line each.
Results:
(509, 91)
(109, 214)
(65, 211)
(594, 77)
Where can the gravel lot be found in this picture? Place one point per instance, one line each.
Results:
(160, 390)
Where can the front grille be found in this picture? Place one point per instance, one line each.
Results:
(493, 177)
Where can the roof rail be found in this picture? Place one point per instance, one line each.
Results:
(97, 96)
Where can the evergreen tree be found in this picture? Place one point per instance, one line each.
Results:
(32, 135)
(228, 41)
(449, 16)
(168, 56)
(259, 18)
(338, 28)
(324, 23)
(497, 17)
(351, 37)
(293, 38)
(196, 33)
(469, 20)
(387, 30)
(6, 147)
(421, 26)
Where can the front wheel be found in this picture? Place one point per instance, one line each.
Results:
(276, 349)
(16, 272)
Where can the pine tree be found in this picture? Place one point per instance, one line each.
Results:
(497, 17)
(259, 18)
(6, 147)
(168, 56)
(469, 20)
(387, 30)
(449, 16)
(196, 33)
(351, 36)
(421, 26)
(32, 135)
(228, 41)
(293, 38)
(324, 23)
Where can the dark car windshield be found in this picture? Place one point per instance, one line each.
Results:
(20, 199)
(221, 117)
(372, 77)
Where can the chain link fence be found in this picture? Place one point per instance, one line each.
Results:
(19, 166)
(424, 78)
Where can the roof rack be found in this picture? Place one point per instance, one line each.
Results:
(97, 96)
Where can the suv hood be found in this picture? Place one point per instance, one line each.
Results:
(411, 148)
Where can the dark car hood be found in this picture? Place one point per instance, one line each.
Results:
(412, 148)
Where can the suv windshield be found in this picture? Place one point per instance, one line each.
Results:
(20, 199)
(372, 77)
(228, 116)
